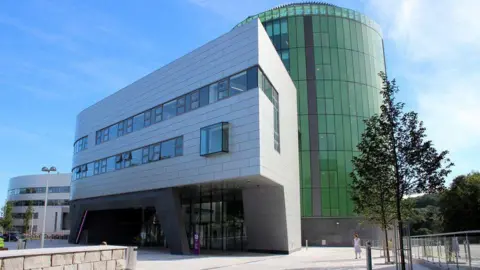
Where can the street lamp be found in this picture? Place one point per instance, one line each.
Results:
(48, 170)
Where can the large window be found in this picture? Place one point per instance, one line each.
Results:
(32, 190)
(80, 145)
(238, 83)
(214, 139)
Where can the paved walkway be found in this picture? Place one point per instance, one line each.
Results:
(311, 259)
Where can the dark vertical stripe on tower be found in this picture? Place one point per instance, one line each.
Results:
(312, 116)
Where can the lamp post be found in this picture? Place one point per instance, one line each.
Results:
(48, 170)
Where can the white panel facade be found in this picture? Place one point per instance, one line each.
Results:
(40, 181)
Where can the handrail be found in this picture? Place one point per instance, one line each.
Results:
(449, 233)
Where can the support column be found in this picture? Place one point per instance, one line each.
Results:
(266, 220)
(169, 213)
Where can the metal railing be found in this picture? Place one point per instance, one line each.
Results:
(456, 250)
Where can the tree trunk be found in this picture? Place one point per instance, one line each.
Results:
(386, 241)
(400, 227)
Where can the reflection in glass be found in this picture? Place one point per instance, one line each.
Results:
(238, 83)
(168, 149)
(169, 109)
(214, 139)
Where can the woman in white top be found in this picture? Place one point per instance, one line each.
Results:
(356, 246)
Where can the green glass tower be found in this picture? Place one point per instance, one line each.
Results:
(333, 55)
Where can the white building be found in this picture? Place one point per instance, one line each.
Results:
(194, 148)
(23, 190)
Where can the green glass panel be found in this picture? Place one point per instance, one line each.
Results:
(323, 159)
(294, 64)
(351, 99)
(348, 134)
(301, 64)
(306, 178)
(322, 124)
(345, 101)
(324, 181)
(303, 97)
(361, 127)
(332, 31)
(359, 100)
(348, 165)
(332, 176)
(327, 72)
(307, 202)
(328, 89)
(342, 198)
(325, 202)
(339, 132)
(316, 24)
(340, 35)
(326, 56)
(356, 67)
(321, 107)
(368, 70)
(338, 11)
(330, 123)
(275, 13)
(337, 98)
(328, 106)
(292, 32)
(319, 72)
(315, 9)
(322, 143)
(346, 34)
(363, 89)
(317, 53)
(298, 10)
(330, 10)
(334, 199)
(349, 62)
(335, 64)
(342, 64)
(283, 12)
(332, 165)
(300, 32)
(305, 138)
(350, 206)
(307, 10)
(344, 12)
(355, 136)
(359, 36)
(325, 40)
(342, 178)
(291, 11)
(353, 35)
(323, 24)
(320, 89)
(331, 142)
(317, 39)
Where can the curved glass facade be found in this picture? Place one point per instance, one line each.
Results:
(333, 56)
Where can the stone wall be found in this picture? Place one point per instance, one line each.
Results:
(76, 258)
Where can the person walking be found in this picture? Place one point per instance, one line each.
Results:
(357, 247)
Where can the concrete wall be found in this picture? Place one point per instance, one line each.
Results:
(28, 181)
(337, 231)
(95, 257)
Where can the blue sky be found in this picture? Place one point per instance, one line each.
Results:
(58, 57)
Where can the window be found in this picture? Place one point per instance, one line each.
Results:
(168, 149)
(222, 89)
(98, 136)
(80, 145)
(145, 155)
(148, 119)
(194, 100)
(120, 128)
(179, 146)
(118, 162)
(276, 121)
(111, 164)
(169, 109)
(105, 135)
(158, 113)
(214, 139)
(128, 125)
(138, 122)
(136, 157)
(204, 98)
(154, 152)
(96, 167)
(238, 83)
(103, 165)
(180, 105)
(113, 132)
(252, 78)
(127, 159)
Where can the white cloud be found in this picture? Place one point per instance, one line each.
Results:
(436, 46)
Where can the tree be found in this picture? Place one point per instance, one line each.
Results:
(460, 201)
(7, 221)
(28, 217)
(394, 149)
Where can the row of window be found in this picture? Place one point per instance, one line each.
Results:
(22, 215)
(40, 203)
(214, 92)
(300, 10)
(150, 153)
(80, 145)
(272, 94)
(32, 190)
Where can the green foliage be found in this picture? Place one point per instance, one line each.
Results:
(395, 160)
(460, 204)
(28, 217)
(7, 220)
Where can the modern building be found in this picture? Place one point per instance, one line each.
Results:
(333, 56)
(194, 150)
(30, 189)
